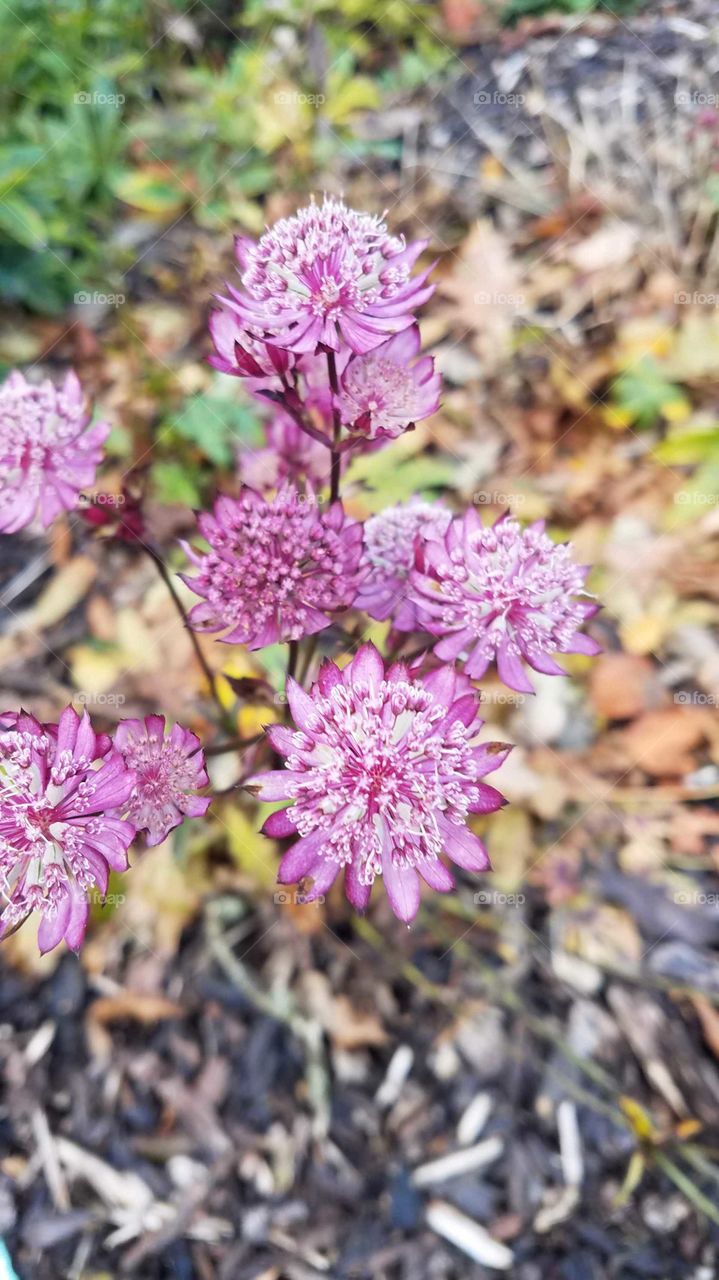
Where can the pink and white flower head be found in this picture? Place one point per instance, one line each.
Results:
(390, 542)
(276, 568)
(328, 274)
(48, 453)
(60, 789)
(168, 770)
(383, 770)
(240, 352)
(386, 391)
(503, 594)
(288, 455)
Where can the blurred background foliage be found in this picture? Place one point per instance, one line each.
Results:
(110, 102)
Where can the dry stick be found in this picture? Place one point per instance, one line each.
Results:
(233, 744)
(207, 671)
(310, 646)
(292, 657)
(337, 428)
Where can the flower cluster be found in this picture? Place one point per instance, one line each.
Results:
(48, 452)
(326, 276)
(391, 539)
(71, 803)
(383, 770)
(276, 569)
(383, 393)
(502, 594)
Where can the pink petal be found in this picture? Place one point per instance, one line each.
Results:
(52, 928)
(367, 667)
(279, 824)
(436, 875)
(358, 894)
(402, 886)
(462, 846)
(302, 857)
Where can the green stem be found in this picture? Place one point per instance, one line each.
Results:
(202, 660)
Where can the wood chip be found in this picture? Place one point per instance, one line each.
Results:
(468, 1236)
(458, 1162)
(473, 1119)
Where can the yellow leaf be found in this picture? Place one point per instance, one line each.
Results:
(251, 851)
(677, 410)
(67, 588)
(645, 633)
(252, 719)
(641, 1122)
(94, 671)
(617, 418)
(358, 94)
(285, 114)
(510, 846)
(161, 896)
(632, 1178)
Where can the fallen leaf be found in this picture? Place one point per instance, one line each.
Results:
(662, 742)
(610, 246)
(623, 685)
(484, 287)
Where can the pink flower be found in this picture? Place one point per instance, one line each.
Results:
(325, 274)
(390, 542)
(168, 769)
(383, 393)
(288, 455)
(383, 770)
(502, 593)
(240, 352)
(61, 787)
(275, 569)
(48, 454)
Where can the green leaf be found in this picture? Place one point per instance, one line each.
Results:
(390, 477)
(646, 394)
(217, 424)
(698, 497)
(689, 447)
(144, 190)
(21, 222)
(174, 484)
(16, 162)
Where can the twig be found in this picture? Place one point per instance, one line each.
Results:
(336, 429)
(233, 744)
(206, 669)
